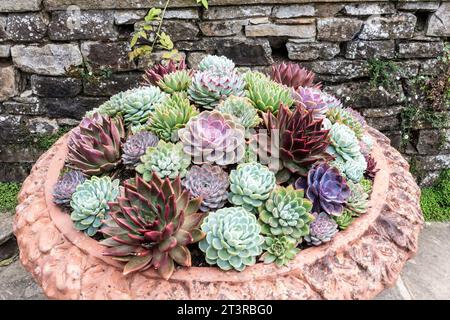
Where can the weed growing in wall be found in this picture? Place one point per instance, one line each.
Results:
(435, 201)
(8, 196)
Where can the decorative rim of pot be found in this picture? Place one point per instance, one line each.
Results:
(390, 168)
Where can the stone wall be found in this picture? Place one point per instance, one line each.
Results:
(40, 40)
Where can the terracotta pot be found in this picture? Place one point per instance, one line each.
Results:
(357, 264)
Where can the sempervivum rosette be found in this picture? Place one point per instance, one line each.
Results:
(216, 63)
(208, 88)
(210, 183)
(213, 137)
(95, 145)
(343, 116)
(242, 111)
(316, 101)
(136, 145)
(137, 104)
(371, 169)
(233, 239)
(322, 229)
(250, 185)
(326, 188)
(66, 186)
(293, 76)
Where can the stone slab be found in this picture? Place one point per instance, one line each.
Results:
(20, 6)
(6, 227)
(439, 22)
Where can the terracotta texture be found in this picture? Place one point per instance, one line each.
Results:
(358, 264)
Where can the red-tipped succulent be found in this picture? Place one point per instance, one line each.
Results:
(95, 145)
(151, 224)
(153, 75)
(298, 139)
(371, 170)
(294, 76)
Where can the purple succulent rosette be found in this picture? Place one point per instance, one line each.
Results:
(66, 186)
(321, 230)
(136, 145)
(326, 188)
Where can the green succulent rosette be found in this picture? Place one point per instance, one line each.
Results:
(90, 203)
(137, 104)
(216, 63)
(279, 250)
(344, 220)
(358, 202)
(344, 142)
(286, 213)
(177, 81)
(166, 160)
(241, 110)
(250, 185)
(233, 239)
(342, 116)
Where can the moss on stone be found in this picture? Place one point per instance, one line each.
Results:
(435, 201)
(8, 195)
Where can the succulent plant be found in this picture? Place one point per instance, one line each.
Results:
(136, 145)
(166, 160)
(177, 81)
(301, 140)
(371, 169)
(266, 95)
(366, 145)
(208, 88)
(153, 75)
(358, 201)
(342, 116)
(210, 183)
(90, 203)
(279, 250)
(113, 106)
(293, 76)
(137, 104)
(316, 101)
(250, 185)
(344, 220)
(367, 185)
(286, 212)
(352, 169)
(326, 188)
(171, 115)
(322, 229)
(213, 137)
(95, 145)
(233, 239)
(357, 116)
(151, 224)
(344, 142)
(216, 63)
(66, 186)
(242, 111)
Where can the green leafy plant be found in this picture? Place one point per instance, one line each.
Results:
(381, 73)
(435, 200)
(8, 195)
(44, 142)
(88, 73)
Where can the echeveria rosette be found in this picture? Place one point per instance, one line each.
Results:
(216, 63)
(344, 142)
(326, 188)
(366, 145)
(208, 88)
(95, 145)
(352, 169)
(137, 104)
(286, 213)
(166, 160)
(90, 203)
(266, 95)
(322, 229)
(315, 101)
(293, 75)
(136, 145)
(151, 224)
(279, 250)
(250, 185)
(210, 183)
(233, 239)
(358, 201)
(213, 137)
(66, 186)
(302, 141)
(242, 111)
(177, 81)
(170, 116)
(342, 116)
(344, 220)
(155, 74)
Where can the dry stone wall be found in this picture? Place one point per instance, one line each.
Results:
(41, 40)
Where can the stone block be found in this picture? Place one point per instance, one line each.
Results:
(389, 111)
(361, 49)
(181, 30)
(15, 171)
(194, 58)
(111, 86)
(382, 124)
(41, 125)
(20, 5)
(294, 11)
(439, 22)
(312, 51)
(246, 52)
(339, 68)
(433, 141)
(82, 25)
(328, 10)
(274, 30)
(236, 12)
(50, 59)
(73, 108)
(22, 108)
(55, 87)
(436, 162)
(5, 51)
(397, 26)
(337, 29)
(222, 28)
(115, 59)
(418, 5)
(13, 129)
(368, 9)
(26, 27)
(9, 82)
(3, 33)
(420, 49)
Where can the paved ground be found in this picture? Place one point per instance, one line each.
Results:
(427, 276)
